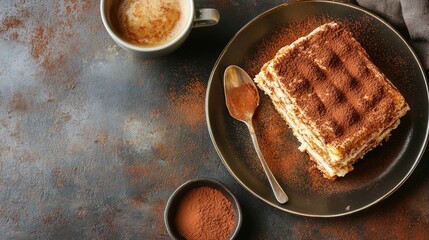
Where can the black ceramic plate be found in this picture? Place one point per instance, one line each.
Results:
(378, 174)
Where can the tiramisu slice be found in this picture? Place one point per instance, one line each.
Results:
(337, 102)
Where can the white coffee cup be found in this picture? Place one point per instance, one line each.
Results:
(189, 18)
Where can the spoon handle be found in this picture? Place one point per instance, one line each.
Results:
(277, 189)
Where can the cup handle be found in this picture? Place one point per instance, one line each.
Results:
(205, 17)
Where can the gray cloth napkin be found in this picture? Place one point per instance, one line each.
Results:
(410, 17)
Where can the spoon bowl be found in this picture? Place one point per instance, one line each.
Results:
(241, 94)
(242, 99)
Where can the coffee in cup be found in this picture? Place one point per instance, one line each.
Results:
(153, 27)
(151, 23)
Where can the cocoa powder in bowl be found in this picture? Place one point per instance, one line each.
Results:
(202, 209)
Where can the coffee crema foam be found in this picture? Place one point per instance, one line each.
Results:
(151, 23)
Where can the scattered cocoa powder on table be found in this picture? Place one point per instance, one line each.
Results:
(205, 213)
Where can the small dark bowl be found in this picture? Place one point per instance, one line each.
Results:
(173, 201)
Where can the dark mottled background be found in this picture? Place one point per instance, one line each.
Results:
(93, 140)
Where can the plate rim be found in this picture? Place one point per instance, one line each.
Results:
(267, 12)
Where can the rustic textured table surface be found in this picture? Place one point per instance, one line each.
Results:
(93, 141)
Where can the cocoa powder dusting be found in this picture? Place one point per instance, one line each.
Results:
(10, 22)
(346, 93)
(139, 173)
(51, 44)
(205, 213)
(188, 107)
(279, 146)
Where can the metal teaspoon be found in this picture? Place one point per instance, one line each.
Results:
(242, 98)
